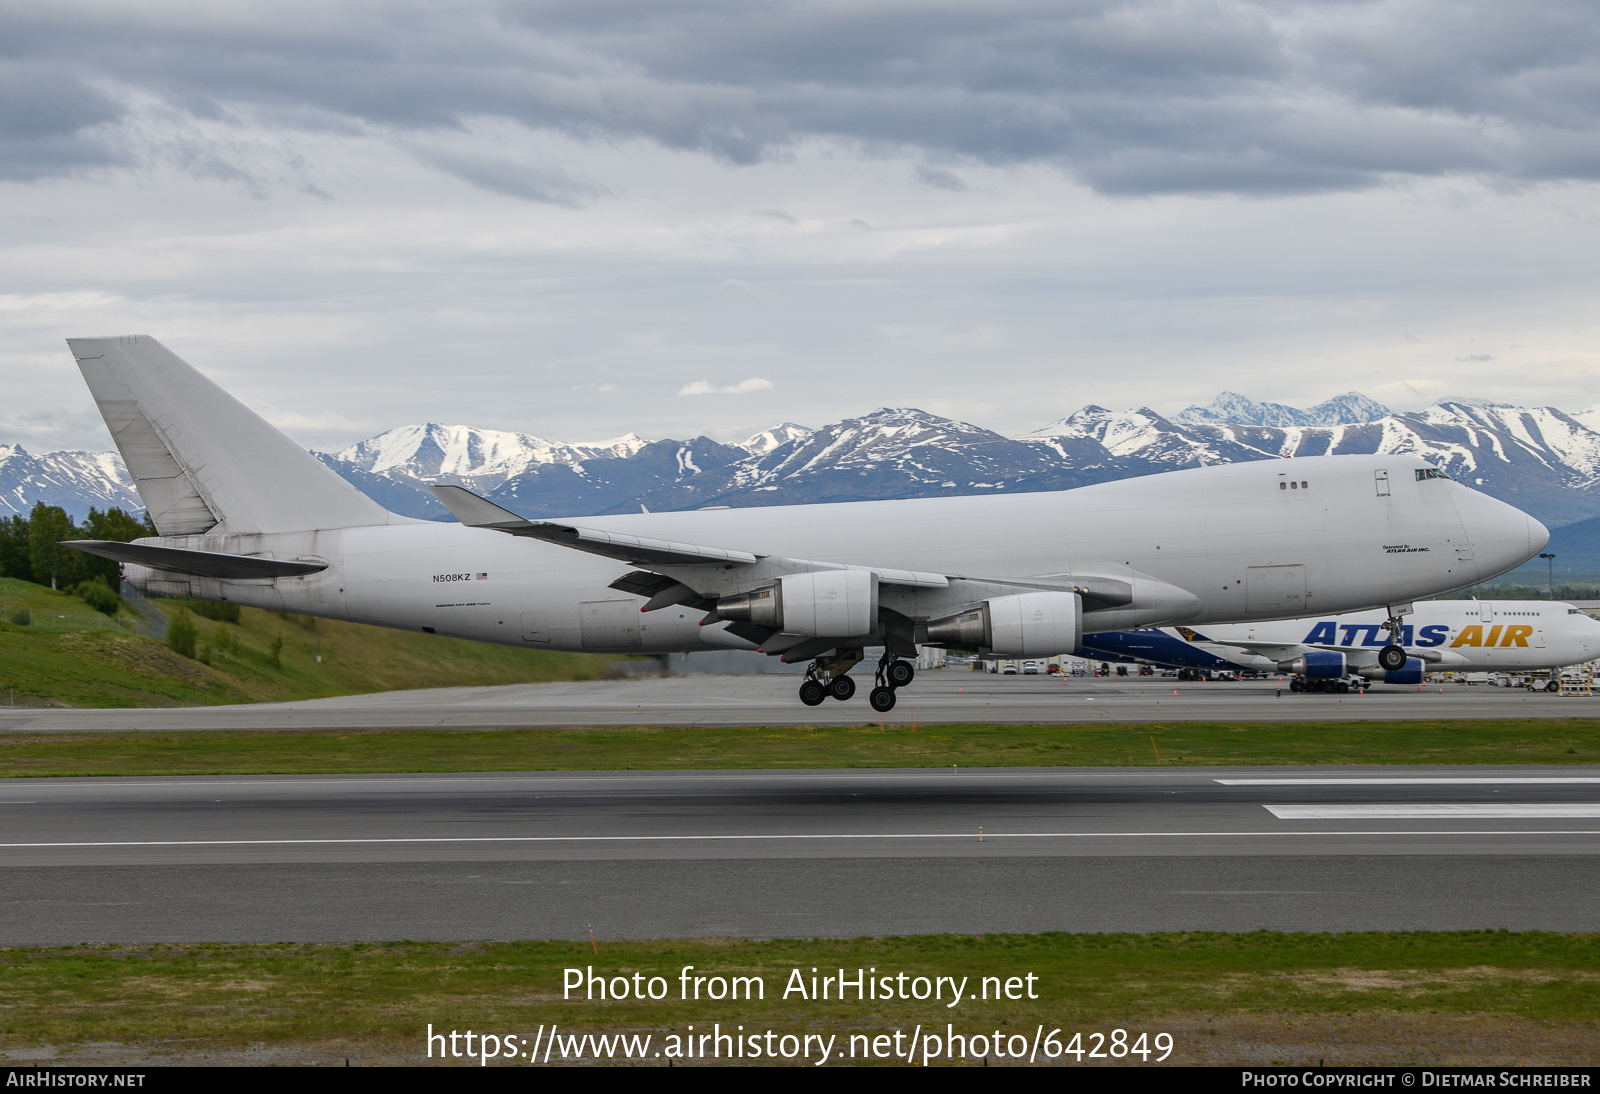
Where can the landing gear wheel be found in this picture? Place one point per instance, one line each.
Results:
(1552, 685)
(900, 673)
(842, 688)
(1342, 687)
(1392, 658)
(811, 693)
(1296, 685)
(882, 700)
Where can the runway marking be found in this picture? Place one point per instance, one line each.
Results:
(963, 836)
(1476, 780)
(1407, 810)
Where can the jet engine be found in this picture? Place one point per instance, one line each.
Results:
(1039, 624)
(1410, 673)
(1316, 665)
(822, 604)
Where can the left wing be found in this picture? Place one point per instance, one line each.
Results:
(476, 512)
(646, 553)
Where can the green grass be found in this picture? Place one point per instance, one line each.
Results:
(1548, 741)
(387, 993)
(104, 668)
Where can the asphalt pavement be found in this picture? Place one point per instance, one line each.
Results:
(809, 853)
(935, 696)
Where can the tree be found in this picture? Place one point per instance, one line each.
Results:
(14, 555)
(180, 633)
(98, 595)
(116, 525)
(48, 525)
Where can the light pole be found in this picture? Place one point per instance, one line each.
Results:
(1552, 565)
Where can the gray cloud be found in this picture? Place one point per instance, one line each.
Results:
(1136, 97)
(529, 181)
(51, 121)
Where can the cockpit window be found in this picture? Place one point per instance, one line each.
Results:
(1430, 473)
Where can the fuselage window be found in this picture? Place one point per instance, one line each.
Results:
(1283, 486)
(1304, 485)
(1294, 486)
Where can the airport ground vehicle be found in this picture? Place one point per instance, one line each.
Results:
(246, 515)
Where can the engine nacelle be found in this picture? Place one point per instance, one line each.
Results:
(1317, 665)
(1410, 674)
(1039, 624)
(822, 604)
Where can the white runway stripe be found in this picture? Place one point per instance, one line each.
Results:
(1409, 810)
(963, 836)
(1504, 780)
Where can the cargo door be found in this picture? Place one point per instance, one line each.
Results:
(609, 624)
(1277, 589)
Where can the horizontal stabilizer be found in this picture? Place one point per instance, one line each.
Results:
(203, 563)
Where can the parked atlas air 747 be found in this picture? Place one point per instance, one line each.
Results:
(1438, 636)
(246, 515)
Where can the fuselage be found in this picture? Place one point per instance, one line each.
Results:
(1201, 547)
(1459, 635)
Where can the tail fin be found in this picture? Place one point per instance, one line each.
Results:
(203, 462)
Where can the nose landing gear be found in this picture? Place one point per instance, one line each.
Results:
(1392, 658)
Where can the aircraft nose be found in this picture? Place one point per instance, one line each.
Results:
(1538, 536)
(1502, 536)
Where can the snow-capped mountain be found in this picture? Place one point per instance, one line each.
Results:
(1539, 458)
(759, 444)
(1230, 407)
(73, 480)
(481, 459)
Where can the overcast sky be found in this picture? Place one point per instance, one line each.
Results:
(581, 219)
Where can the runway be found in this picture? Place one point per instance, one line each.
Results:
(938, 696)
(810, 853)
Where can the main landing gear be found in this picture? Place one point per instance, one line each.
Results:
(828, 676)
(892, 675)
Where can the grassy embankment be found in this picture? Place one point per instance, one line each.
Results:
(1478, 997)
(1546, 741)
(54, 661)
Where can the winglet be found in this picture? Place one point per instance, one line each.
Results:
(476, 512)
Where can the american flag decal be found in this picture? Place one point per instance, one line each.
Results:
(482, 577)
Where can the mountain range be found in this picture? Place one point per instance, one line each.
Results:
(1539, 458)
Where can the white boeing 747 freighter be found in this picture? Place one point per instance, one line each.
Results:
(246, 515)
